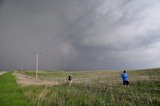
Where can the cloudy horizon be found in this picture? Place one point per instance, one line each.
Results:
(129, 38)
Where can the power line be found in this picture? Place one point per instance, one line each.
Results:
(87, 26)
(99, 19)
(93, 8)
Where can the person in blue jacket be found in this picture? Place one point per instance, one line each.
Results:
(125, 78)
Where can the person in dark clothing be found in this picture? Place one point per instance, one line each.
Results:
(125, 78)
(70, 79)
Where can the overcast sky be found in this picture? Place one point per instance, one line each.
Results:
(129, 38)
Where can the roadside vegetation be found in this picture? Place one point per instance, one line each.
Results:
(10, 94)
(92, 88)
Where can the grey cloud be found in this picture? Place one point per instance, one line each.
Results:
(127, 39)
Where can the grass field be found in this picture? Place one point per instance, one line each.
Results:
(10, 94)
(89, 88)
(93, 88)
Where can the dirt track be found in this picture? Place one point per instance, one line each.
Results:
(2, 73)
(25, 80)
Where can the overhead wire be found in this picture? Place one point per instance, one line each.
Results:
(93, 8)
(93, 23)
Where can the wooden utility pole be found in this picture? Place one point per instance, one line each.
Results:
(37, 55)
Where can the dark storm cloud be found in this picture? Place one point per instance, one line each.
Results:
(127, 39)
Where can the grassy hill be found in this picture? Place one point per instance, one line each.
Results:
(95, 88)
(90, 88)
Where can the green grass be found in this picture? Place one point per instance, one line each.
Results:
(96, 88)
(10, 94)
(140, 94)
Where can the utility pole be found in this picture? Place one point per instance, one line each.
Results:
(37, 54)
(21, 68)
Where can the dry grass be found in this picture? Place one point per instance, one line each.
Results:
(25, 80)
(2, 73)
(92, 88)
(89, 77)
